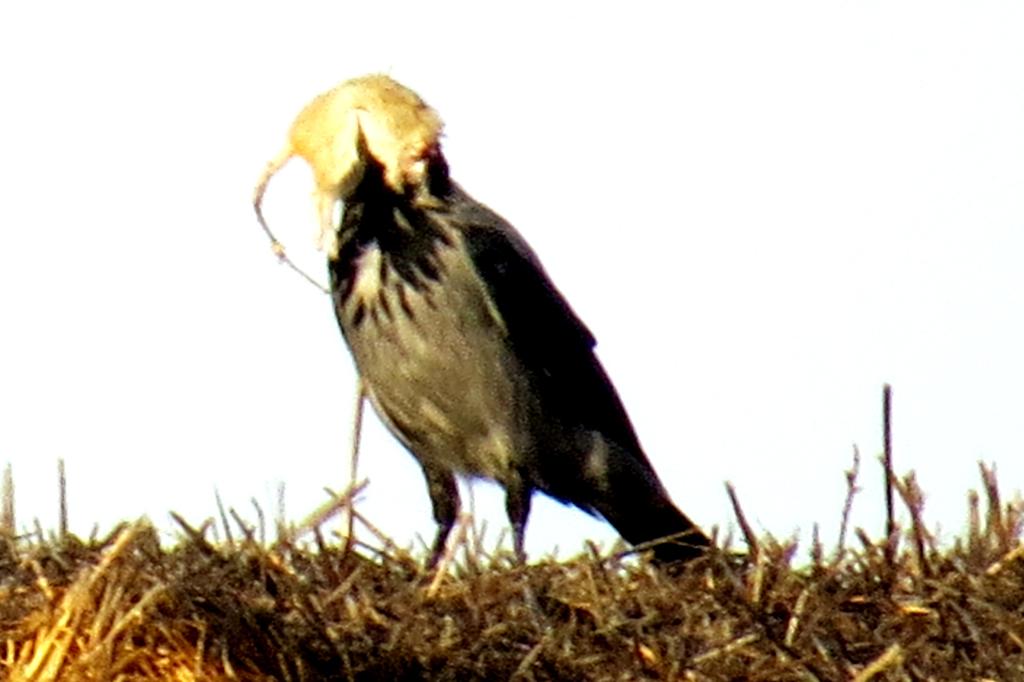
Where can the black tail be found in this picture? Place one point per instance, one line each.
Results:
(659, 524)
(632, 500)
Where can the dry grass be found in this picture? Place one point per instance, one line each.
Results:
(124, 608)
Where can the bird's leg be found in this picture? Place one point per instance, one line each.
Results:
(444, 497)
(517, 506)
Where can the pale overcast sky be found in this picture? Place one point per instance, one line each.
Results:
(764, 211)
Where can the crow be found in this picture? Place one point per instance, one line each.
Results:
(467, 351)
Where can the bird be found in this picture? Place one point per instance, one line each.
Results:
(469, 354)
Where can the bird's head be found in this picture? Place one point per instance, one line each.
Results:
(371, 118)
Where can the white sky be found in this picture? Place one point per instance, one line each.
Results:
(763, 211)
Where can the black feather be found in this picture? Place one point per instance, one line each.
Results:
(513, 331)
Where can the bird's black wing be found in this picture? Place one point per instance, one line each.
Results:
(572, 392)
(543, 331)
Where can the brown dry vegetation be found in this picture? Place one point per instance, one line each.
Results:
(125, 608)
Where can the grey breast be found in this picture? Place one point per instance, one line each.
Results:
(436, 363)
